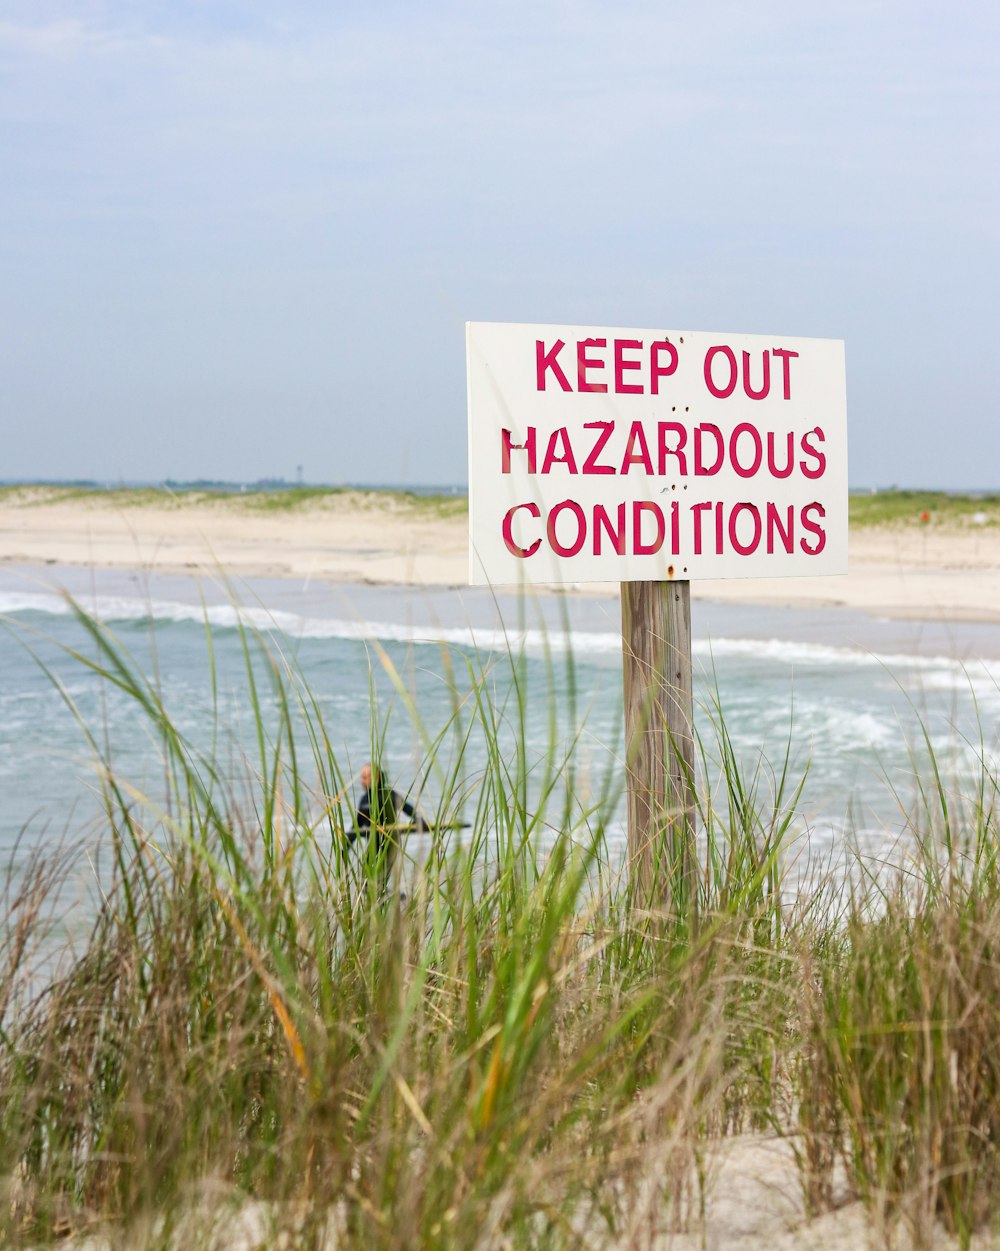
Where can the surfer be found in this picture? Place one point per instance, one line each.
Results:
(378, 815)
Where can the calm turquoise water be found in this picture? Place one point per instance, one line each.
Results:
(848, 691)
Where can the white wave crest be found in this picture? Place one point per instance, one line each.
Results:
(941, 672)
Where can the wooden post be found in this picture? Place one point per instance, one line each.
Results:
(656, 645)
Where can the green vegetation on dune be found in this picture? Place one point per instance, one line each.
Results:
(295, 498)
(867, 510)
(286, 499)
(45, 494)
(520, 1053)
(276, 500)
(442, 506)
(914, 509)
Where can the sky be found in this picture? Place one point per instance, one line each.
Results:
(237, 238)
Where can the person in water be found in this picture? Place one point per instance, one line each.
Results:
(377, 818)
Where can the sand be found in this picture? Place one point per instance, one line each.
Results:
(753, 1202)
(753, 1198)
(937, 572)
(354, 537)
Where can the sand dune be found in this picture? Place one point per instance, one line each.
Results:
(946, 573)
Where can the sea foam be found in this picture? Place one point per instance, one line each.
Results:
(939, 672)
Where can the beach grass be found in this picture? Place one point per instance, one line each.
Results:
(869, 510)
(917, 509)
(514, 1050)
(422, 506)
(276, 500)
(43, 494)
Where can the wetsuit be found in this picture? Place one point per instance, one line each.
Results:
(379, 808)
(376, 820)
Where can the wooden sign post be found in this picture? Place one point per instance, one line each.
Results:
(659, 738)
(650, 458)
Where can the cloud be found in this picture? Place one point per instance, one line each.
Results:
(70, 39)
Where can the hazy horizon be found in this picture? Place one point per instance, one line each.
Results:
(418, 487)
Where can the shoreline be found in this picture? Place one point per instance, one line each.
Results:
(946, 573)
(302, 603)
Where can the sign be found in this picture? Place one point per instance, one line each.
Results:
(601, 454)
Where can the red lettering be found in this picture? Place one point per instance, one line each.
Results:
(637, 436)
(786, 357)
(617, 536)
(696, 511)
(649, 507)
(658, 371)
(819, 469)
(786, 531)
(561, 549)
(621, 364)
(585, 362)
(508, 536)
(590, 465)
(744, 549)
(663, 428)
(721, 393)
(675, 528)
(700, 468)
(507, 445)
(765, 385)
(734, 442)
(772, 463)
(547, 360)
(814, 529)
(567, 458)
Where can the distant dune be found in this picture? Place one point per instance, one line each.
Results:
(912, 555)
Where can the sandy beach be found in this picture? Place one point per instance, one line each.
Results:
(942, 572)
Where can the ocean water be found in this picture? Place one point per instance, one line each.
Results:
(857, 703)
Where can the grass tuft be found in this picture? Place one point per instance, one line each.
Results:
(262, 1030)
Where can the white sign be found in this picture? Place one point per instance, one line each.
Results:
(599, 454)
